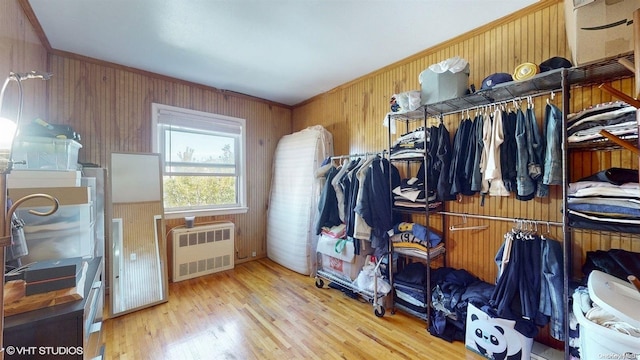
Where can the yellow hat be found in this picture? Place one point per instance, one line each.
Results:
(525, 71)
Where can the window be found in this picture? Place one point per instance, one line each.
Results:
(203, 161)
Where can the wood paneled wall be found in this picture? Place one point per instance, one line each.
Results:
(110, 106)
(354, 113)
(21, 52)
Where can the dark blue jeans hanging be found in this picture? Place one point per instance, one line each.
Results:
(517, 292)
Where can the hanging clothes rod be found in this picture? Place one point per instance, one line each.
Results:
(500, 218)
(337, 157)
(496, 103)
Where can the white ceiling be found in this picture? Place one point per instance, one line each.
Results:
(285, 51)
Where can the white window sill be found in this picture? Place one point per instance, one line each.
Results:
(217, 212)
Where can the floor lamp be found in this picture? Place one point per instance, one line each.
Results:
(8, 132)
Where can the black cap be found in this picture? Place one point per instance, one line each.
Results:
(495, 79)
(553, 63)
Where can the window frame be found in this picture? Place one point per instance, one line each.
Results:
(200, 120)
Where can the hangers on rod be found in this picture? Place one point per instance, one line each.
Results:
(546, 235)
(462, 226)
(524, 229)
(550, 98)
(364, 154)
(532, 230)
(515, 221)
(514, 103)
(517, 225)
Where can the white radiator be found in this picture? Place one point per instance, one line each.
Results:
(202, 250)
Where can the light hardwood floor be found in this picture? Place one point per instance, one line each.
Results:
(261, 310)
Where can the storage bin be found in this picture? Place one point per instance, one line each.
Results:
(495, 338)
(344, 264)
(436, 87)
(618, 298)
(69, 232)
(44, 153)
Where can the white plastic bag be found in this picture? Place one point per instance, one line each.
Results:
(365, 280)
(454, 65)
(407, 101)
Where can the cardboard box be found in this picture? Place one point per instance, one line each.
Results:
(345, 264)
(65, 195)
(18, 179)
(599, 29)
(495, 338)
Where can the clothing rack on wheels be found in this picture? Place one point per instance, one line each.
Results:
(326, 273)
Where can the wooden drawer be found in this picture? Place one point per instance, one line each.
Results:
(92, 320)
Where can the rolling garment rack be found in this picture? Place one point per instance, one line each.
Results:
(322, 275)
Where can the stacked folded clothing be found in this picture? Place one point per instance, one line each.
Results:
(411, 194)
(410, 286)
(409, 145)
(405, 233)
(618, 118)
(608, 200)
(410, 198)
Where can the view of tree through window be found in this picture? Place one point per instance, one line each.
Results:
(202, 166)
(199, 190)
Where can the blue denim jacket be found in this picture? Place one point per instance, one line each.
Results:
(525, 185)
(536, 148)
(553, 151)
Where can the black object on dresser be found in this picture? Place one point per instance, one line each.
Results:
(67, 331)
